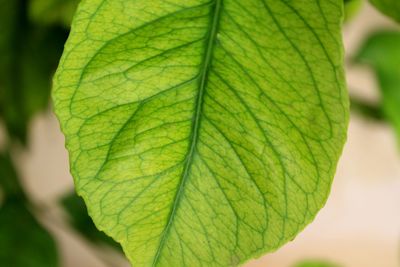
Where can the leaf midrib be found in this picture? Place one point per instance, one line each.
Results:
(196, 123)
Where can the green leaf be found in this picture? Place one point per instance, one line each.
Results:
(50, 12)
(40, 58)
(203, 133)
(28, 58)
(315, 264)
(9, 180)
(81, 221)
(351, 8)
(23, 242)
(390, 8)
(381, 51)
(11, 21)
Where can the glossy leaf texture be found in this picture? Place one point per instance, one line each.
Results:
(23, 242)
(390, 8)
(381, 52)
(203, 133)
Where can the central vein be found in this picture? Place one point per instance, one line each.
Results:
(209, 48)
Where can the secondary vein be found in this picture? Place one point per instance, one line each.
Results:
(195, 124)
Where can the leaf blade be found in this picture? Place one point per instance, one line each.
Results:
(249, 146)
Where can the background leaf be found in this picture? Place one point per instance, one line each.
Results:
(381, 51)
(28, 58)
(12, 21)
(203, 132)
(50, 12)
(351, 8)
(390, 8)
(9, 179)
(81, 221)
(40, 58)
(23, 242)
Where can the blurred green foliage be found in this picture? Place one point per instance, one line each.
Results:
(390, 8)
(81, 221)
(351, 8)
(23, 241)
(381, 51)
(29, 55)
(9, 181)
(315, 264)
(53, 12)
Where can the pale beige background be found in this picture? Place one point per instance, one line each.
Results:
(359, 226)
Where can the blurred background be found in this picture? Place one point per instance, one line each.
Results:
(42, 222)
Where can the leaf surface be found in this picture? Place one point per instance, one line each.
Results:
(203, 133)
